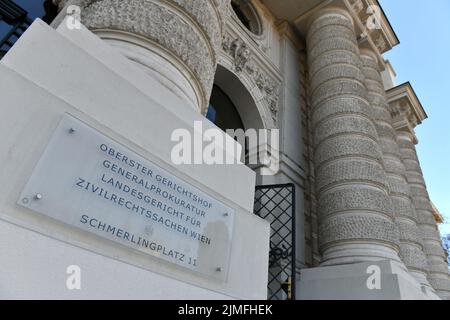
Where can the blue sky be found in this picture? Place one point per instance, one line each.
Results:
(423, 58)
(33, 7)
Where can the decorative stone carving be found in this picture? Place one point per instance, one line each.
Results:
(238, 50)
(268, 87)
(369, 14)
(380, 43)
(244, 62)
(205, 14)
(190, 30)
(357, 5)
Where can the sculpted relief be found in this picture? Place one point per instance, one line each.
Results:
(244, 62)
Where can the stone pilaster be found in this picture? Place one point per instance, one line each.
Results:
(438, 269)
(355, 215)
(411, 245)
(185, 34)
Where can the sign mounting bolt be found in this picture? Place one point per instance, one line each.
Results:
(219, 269)
(71, 130)
(38, 196)
(226, 214)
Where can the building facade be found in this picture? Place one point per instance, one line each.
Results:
(314, 70)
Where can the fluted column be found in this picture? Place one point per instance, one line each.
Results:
(438, 269)
(356, 222)
(411, 245)
(176, 41)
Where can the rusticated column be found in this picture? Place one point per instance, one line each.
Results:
(356, 222)
(438, 269)
(174, 40)
(411, 245)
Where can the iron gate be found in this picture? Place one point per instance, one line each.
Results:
(276, 204)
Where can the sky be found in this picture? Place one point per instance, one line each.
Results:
(34, 8)
(423, 58)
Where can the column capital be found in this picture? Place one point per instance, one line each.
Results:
(406, 109)
(370, 22)
(374, 31)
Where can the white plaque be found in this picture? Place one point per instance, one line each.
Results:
(91, 182)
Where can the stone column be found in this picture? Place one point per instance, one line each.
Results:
(176, 41)
(438, 269)
(411, 245)
(356, 222)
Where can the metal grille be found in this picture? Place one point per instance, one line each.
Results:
(18, 22)
(276, 204)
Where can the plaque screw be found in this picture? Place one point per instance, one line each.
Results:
(25, 200)
(225, 214)
(219, 269)
(38, 196)
(71, 130)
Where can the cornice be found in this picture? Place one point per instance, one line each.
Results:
(190, 31)
(405, 107)
(378, 39)
(383, 37)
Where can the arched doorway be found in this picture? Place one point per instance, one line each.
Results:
(232, 106)
(233, 100)
(222, 112)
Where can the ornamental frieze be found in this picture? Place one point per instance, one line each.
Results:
(244, 62)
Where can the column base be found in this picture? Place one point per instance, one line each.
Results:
(350, 282)
(445, 297)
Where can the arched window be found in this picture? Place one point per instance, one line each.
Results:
(248, 15)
